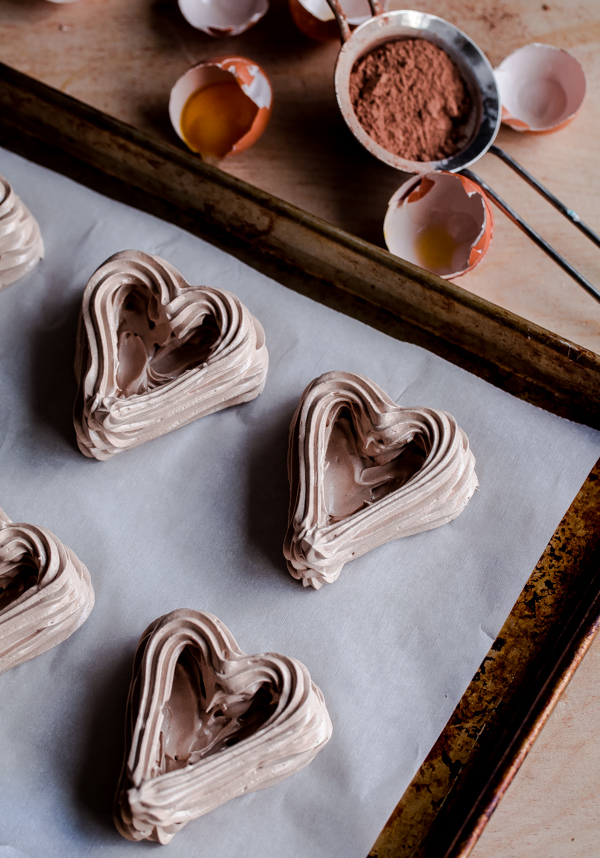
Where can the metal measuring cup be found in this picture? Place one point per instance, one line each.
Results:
(484, 122)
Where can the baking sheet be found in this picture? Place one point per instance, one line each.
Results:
(196, 519)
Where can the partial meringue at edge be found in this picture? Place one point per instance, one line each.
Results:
(21, 245)
(206, 723)
(364, 470)
(45, 592)
(154, 353)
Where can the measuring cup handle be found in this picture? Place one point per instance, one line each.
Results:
(548, 195)
(342, 21)
(376, 7)
(340, 17)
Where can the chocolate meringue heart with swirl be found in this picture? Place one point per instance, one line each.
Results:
(206, 723)
(45, 592)
(154, 353)
(364, 470)
(21, 245)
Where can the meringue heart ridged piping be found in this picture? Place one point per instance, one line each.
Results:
(153, 804)
(52, 608)
(315, 547)
(21, 244)
(106, 421)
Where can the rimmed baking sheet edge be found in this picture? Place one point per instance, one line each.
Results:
(553, 622)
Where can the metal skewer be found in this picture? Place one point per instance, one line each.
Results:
(342, 22)
(548, 195)
(533, 235)
(467, 55)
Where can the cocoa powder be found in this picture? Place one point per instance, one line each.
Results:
(410, 97)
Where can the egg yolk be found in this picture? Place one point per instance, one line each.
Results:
(434, 247)
(216, 117)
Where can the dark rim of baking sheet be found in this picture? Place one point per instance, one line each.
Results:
(299, 250)
(554, 620)
(549, 630)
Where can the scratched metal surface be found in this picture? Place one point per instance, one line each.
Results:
(498, 718)
(497, 715)
(541, 644)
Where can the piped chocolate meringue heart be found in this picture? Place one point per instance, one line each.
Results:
(154, 353)
(206, 723)
(45, 592)
(364, 470)
(21, 245)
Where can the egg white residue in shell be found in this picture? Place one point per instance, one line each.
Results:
(258, 89)
(223, 17)
(439, 221)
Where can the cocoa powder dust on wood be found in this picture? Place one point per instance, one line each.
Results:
(410, 97)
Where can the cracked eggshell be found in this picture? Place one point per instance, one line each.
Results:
(223, 17)
(315, 19)
(247, 74)
(541, 88)
(441, 222)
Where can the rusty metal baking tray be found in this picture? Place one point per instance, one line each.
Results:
(446, 806)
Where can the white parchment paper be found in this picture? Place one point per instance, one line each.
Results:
(197, 518)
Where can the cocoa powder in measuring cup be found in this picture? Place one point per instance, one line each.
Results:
(410, 97)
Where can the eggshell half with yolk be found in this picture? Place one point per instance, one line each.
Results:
(221, 106)
(440, 221)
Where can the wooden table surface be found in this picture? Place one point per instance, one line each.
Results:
(123, 57)
(551, 808)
